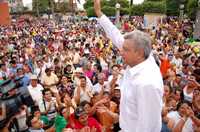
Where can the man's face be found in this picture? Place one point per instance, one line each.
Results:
(130, 56)
(115, 70)
(83, 119)
(178, 79)
(83, 82)
(101, 80)
(20, 72)
(34, 83)
(117, 93)
(36, 123)
(64, 80)
(48, 73)
(48, 95)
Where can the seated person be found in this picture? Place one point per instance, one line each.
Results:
(80, 120)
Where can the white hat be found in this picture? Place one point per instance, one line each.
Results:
(33, 77)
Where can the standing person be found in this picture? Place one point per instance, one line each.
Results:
(141, 85)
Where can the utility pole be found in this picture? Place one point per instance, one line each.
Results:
(197, 23)
(130, 7)
(37, 8)
(52, 8)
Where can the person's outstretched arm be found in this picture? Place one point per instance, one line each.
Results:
(111, 30)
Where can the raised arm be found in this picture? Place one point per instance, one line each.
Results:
(111, 30)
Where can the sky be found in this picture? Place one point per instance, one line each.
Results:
(82, 1)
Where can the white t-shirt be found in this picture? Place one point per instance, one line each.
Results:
(97, 87)
(84, 95)
(174, 115)
(52, 111)
(36, 92)
(187, 96)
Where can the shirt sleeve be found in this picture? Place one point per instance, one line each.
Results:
(111, 31)
(149, 102)
(55, 78)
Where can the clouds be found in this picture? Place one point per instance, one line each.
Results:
(27, 2)
(137, 1)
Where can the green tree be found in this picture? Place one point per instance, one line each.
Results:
(63, 7)
(88, 4)
(90, 11)
(41, 5)
(173, 7)
(154, 6)
(137, 10)
(108, 10)
(191, 8)
(108, 7)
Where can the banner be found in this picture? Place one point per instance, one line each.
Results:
(4, 14)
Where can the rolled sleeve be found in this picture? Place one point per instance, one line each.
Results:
(111, 31)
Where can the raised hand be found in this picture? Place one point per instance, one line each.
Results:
(97, 8)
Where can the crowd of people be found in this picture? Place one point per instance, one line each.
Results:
(71, 71)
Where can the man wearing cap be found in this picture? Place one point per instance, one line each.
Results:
(35, 90)
(78, 73)
(80, 121)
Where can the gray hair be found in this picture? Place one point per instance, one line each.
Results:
(141, 40)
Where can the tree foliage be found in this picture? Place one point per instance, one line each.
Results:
(42, 5)
(90, 11)
(137, 10)
(108, 7)
(191, 8)
(173, 7)
(154, 7)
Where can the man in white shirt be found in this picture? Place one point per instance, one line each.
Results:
(35, 90)
(50, 80)
(101, 85)
(82, 92)
(141, 85)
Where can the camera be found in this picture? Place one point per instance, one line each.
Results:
(11, 99)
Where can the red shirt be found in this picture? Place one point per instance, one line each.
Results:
(75, 124)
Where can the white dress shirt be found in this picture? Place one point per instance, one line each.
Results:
(141, 90)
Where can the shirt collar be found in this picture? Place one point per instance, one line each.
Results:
(135, 69)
